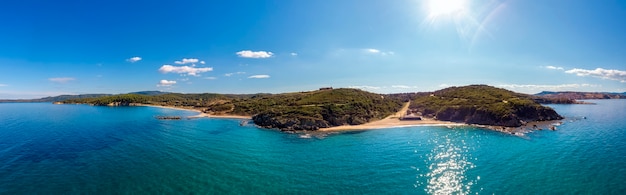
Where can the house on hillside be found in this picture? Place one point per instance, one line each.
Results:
(409, 116)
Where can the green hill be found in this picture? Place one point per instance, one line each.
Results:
(317, 109)
(484, 105)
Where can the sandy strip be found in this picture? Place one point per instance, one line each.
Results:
(170, 107)
(393, 121)
(200, 113)
(229, 116)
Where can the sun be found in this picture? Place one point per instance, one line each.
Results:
(460, 14)
(445, 7)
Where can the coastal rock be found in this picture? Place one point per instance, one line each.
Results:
(486, 117)
(286, 123)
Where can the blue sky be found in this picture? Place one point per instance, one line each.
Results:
(74, 47)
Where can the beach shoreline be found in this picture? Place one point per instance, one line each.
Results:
(200, 113)
(390, 122)
(393, 121)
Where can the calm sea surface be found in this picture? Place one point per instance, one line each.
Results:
(79, 149)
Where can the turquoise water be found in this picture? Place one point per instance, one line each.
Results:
(79, 149)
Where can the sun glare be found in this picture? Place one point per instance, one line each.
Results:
(458, 13)
(445, 7)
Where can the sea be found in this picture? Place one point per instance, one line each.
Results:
(82, 149)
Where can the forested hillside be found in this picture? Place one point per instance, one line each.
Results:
(481, 104)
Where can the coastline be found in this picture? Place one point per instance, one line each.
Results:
(393, 121)
(200, 113)
(551, 125)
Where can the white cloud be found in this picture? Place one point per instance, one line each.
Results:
(378, 52)
(210, 78)
(401, 86)
(443, 85)
(202, 62)
(166, 83)
(365, 87)
(535, 88)
(293, 54)
(193, 71)
(554, 68)
(187, 61)
(3, 85)
(233, 73)
(254, 54)
(61, 79)
(259, 76)
(372, 50)
(134, 59)
(617, 75)
(549, 86)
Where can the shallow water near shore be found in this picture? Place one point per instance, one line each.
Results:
(70, 149)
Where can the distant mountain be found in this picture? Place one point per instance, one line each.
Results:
(149, 93)
(581, 95)
(57, 98)
(61, 98)
(544, 93)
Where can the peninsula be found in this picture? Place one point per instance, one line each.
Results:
(330, 109)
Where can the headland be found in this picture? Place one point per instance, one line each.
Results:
(330, 109)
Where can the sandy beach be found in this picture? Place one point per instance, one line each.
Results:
(392, 122)
(200, 113)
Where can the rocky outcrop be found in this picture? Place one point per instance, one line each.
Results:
(523, 114)
(288, 123)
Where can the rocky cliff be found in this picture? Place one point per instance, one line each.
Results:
(289, 123)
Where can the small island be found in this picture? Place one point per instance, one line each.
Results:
(330, 109)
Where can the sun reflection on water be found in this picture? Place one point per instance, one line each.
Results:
(448, 164)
